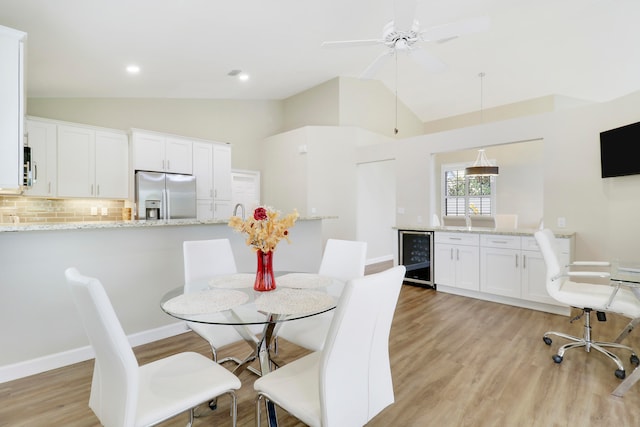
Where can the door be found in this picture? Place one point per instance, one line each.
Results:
(245, 190)
(181, 196)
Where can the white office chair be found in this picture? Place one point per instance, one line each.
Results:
(586, 296)
(349, 381)
(204, 259)
(342, 259)
(124, 394)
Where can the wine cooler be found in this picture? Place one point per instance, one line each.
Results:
(416, 254)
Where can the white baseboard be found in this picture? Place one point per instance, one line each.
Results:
(54, 361)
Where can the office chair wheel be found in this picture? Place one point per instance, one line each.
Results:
(620, 373)
(547, 340)
(558, 359)
(634, 360)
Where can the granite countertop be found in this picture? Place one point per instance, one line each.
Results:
(122, 224)
(486, 230)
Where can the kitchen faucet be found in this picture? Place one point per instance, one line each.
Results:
(235, 210)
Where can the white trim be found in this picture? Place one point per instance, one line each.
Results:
(69, 357)
(382, 258)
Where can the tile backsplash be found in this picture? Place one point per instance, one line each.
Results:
(15, 209)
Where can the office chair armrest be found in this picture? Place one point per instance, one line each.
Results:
(587, 274)
(591, 263)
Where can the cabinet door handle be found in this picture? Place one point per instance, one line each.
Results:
(516, 260)
(98, 190)
(168, 165)
(499, 241)
(91, 189)
(49, 188)
(35, 171)
(524, 261)
(457, 254)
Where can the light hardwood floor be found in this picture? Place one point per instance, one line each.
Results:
(456, 362)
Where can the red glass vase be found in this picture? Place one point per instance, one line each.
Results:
(264, 274)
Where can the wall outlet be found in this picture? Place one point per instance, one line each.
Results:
(94, 210)
(562, 222)
(104, 212)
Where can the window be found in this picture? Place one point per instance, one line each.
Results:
(466, 195)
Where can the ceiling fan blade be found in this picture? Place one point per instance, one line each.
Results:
(404, 13)
(455, 29)
(350, 43)
(427, 61)
(373, 68)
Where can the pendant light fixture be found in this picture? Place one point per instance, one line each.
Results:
(481, 167)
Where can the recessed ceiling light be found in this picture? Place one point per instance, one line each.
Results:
(133, 69)
(243, 76)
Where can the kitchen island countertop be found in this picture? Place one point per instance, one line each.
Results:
(92, 225)
(486, 230)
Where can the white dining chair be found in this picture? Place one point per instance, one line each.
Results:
(204, 259)
(342, 260)
(349, 381)
(125, 394)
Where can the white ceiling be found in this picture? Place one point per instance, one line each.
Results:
(585, 49)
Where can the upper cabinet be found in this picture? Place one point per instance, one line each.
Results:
(157, 152)
(11, 108)
(212, 169)
(43, 140)
(92, 163)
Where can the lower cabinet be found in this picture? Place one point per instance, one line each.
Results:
(456, 260)
(504, 268)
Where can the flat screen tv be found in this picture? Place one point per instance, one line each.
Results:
(617, 151)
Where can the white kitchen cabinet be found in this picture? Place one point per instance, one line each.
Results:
(456, 260)
(203, 169)
(222, 172)
(212, 169)
(157, 152)
(534, 282)
(92, 163)
(222, 209)
(500, 265)
(513, 266)
(11, 108)
(112, 165)
(43, 140)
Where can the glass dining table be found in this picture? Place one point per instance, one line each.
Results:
(230, 300)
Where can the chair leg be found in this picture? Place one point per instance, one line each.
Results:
(258, 412)
(588, 344)
(627, 330)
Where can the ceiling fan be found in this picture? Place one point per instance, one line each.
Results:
(403, 34)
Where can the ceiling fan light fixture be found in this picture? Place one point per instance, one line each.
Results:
(481, 167)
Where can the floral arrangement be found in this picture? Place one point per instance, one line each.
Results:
(265, 228)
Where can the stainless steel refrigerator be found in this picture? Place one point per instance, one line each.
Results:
(165, 196)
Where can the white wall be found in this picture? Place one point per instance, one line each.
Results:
(136, 265)
(600, 211)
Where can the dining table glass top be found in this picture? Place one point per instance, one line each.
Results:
(231, 299)
(626, 272)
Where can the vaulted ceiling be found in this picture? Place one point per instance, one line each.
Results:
(584, 49)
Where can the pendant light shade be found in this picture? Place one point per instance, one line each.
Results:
(481, 167)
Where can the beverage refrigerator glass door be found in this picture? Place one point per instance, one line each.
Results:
(416, 254)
